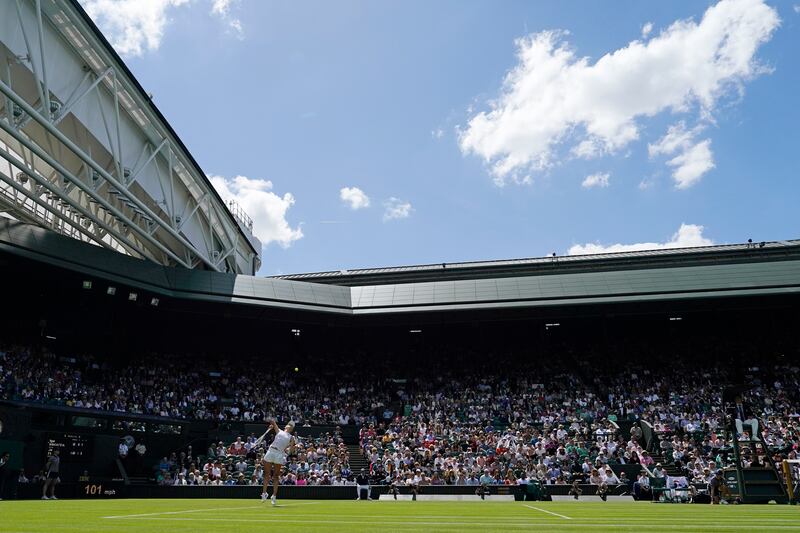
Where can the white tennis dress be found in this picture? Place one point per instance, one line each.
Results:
(277, 450)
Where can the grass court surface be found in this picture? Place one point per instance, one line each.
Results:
(351, 516)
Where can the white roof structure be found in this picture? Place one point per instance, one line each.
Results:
(84, 151)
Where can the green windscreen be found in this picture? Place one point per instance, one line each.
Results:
(15, 449)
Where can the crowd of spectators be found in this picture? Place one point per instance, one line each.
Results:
(692, 428)
(450, 419)
(323, 460)
(188, 388)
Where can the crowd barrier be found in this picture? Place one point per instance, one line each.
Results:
(117, 489)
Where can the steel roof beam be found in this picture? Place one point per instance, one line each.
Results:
(48, 126)
(66, 41)
(218, 209)
(31, 195)
(84, 211)
(35, 149)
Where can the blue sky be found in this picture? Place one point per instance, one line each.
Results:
(478, 129)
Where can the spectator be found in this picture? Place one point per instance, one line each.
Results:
(636, 433)
(641, 487)
(610, 477)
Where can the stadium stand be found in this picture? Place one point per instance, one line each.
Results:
(151, 360)
(582, 367)
(462, 419)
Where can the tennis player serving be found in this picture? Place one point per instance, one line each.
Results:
(275, 457)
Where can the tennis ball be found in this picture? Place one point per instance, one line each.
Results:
(296, 369)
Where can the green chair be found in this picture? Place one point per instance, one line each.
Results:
(658, 486)
(534, 491)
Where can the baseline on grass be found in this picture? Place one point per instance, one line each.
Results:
(354, 517)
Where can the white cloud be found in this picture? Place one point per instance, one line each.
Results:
(438, 133)
(395, 208)
(646, 29)
(267, 209)
(677, 136)
(796, 8)
(553, 98)
(587, 149)
(355, 197)
(132, 26)
(599, 179)
(692, 164)
(222, 8)
(137, 26)
(687, 236)
(694, 160)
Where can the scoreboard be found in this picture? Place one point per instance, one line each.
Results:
(72, 447)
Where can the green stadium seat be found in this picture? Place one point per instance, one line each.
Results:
(658, 485)
(534, 491)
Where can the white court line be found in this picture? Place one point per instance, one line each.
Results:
(290, 504)
(522, 524)
(546, 511)
(182, 512)
(206, 510)
(527, 518)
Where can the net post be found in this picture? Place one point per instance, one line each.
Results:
(787, 474)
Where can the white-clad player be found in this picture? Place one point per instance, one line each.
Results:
(275, 457)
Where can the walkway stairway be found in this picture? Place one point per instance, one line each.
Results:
(357, 460)
(669, 468)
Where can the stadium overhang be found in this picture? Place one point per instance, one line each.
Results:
(85, 152)
(690, 274)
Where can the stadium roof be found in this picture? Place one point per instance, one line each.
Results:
(687, 274)
(550, 264)
(103, 165)
(147, 97)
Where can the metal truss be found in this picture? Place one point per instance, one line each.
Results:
(86, 154)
